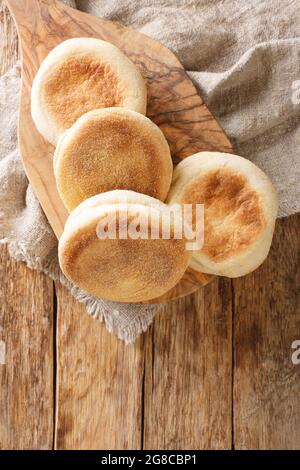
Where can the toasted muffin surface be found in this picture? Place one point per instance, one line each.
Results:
(78, 85)
(79, 75)
(109, 149)
(125, 270)
(233, 214)
(240, 208)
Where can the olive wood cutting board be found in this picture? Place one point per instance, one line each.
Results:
(173, 102)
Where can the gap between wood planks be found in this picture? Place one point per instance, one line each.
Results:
(232, 363)
(54, 366)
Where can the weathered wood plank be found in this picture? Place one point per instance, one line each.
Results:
(267, 321)
(187, 396)
(26, 362)
(99, 383)
(9, 46)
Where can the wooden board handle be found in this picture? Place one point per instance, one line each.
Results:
(29, 13)
(19, 8)
(36, 21)
(23, 11)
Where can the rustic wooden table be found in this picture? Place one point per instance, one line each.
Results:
(213, 372)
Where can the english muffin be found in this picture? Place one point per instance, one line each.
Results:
(79, 75)
(112, 148)
(240, 208)
(116, 266)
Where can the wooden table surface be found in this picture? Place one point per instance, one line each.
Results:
(213, 372)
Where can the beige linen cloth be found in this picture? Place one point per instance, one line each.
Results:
(244, 57)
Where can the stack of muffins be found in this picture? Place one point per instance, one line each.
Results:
(112, 163)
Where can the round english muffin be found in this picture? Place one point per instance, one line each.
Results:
(240, 209)
(112, 148)
(125, 268)
(79, 75)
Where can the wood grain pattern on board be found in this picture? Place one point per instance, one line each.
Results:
(173, 102)
(267, 321)
(99, 383)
